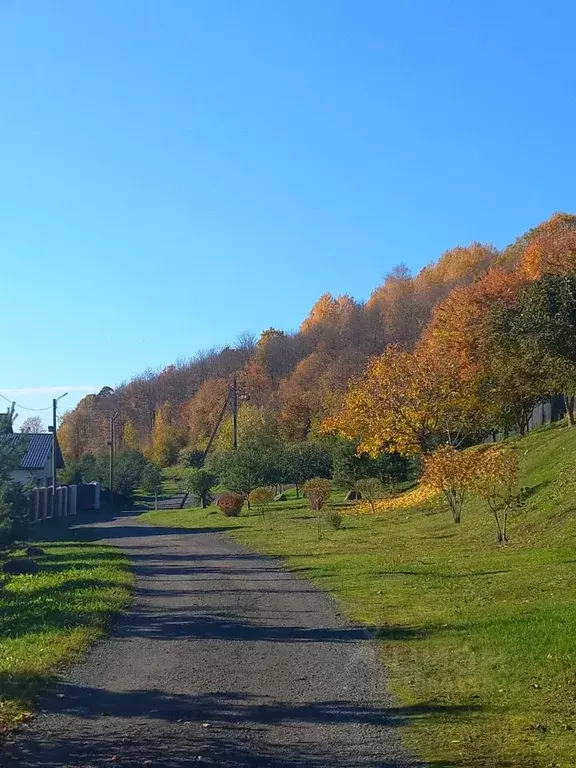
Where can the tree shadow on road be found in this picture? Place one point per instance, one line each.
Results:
(218, 729)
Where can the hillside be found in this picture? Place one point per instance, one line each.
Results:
(300, 379)
(479, 639)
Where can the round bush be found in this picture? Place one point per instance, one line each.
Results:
(230, 504)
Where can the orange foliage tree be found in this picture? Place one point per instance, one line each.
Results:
(458, 326)
(496, 482)
(168, 437)
(551, 247)
(451, 473)
(200, 414)
(407, 403)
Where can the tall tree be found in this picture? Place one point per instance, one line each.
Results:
(546, 318)
(167, 437)
(408, 403)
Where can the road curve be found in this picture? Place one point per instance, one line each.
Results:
(224, 659)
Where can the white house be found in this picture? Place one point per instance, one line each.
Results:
(36, 462)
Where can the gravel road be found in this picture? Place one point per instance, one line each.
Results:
(224, 659)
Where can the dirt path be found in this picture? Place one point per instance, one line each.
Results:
(225, 659)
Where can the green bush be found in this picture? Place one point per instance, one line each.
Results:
(334, 520)
(13, 514)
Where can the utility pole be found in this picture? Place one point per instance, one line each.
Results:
(111, 465)
(54, 445)
(235, 412)
(232, 397)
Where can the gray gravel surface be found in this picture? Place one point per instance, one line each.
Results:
(224, 659)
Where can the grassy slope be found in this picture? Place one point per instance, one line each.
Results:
(51, 617)
(480, 641)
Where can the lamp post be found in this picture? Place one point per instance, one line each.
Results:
(113, 418)
(54, 405)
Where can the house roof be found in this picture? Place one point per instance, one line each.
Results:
(38, 447)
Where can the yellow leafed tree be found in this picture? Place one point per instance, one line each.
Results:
(408, 403)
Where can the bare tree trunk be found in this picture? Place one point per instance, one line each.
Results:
(156, 502)
(499, 534)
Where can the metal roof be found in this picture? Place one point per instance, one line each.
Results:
(38, 448)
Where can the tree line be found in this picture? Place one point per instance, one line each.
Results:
(465, 348)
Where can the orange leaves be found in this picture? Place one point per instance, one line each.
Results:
(260, 497)
(489, 471)
(255, 381)
(167, 437)
(457, 327)
(328, 310)
(419, 495)
(201, 412)
(551, 249)
(405, 403)
(496, 470)
(451, 473)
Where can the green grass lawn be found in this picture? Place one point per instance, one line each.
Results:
(479, 640)
(53, 616)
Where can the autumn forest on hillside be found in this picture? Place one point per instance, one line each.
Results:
(461, 352)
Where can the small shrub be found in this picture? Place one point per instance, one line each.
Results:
(261, 498)
(230, 504)
(370, 488)
(317, 491)
(334, 520)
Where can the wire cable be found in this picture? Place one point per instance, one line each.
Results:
(23, 407)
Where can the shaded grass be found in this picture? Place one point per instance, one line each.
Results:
(53, 616)
(482, 636)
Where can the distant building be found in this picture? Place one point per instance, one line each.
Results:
(36, 462)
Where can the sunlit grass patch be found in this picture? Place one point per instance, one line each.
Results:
(479, 639)
(51, 617)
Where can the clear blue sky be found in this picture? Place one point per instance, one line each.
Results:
(174, 172)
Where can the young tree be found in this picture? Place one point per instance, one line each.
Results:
(451, 473)
(261, 498)
(392, 468)
(13, 502)
(317, 491)
(371, 489)
(303, 461)
(151, 482)
(128, 469)
(255, 463)
(348, 466)
(199, 482)
(496, 482)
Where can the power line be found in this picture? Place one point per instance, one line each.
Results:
(23, 407)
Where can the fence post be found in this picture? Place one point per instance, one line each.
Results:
(72, 499)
